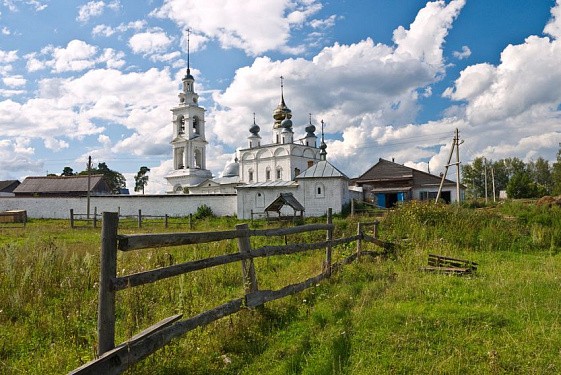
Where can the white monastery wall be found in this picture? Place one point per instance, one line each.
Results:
(160, 205)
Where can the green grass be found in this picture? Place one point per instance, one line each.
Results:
(374, 317)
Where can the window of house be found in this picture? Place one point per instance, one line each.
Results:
(250, 175)
(268, 174)
(296, 172)
(319, 190)
(279, 173)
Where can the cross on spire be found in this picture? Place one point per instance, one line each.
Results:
(188, 42)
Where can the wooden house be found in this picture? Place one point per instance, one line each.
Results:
(387, 183)
(7, 187)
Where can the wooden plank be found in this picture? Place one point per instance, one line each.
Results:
(260, 297)
(143, 241)
(457, 270)
(146, 277)
(107, 272)
(291, 230)
(129, 353)
(385, 245)
(297, 248)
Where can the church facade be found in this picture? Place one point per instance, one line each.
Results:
(261, 171)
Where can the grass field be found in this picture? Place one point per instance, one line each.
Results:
(376, 316)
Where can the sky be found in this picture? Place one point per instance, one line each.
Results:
(391, 79)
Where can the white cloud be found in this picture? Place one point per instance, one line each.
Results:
(14, 81)
(103, 30)
(553, 27)
(6, 31)
(463, 54)
(149, 42)
(95, 9)
(227, 21)
(324, 23)
(426, 34)
(7, 57)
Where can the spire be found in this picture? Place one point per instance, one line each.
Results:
(188, 51)
(282, 112)
(323, 146)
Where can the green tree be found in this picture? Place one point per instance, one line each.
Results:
(556, 174)
(141, 179)
(521, 185)
(540, 173)
(115, 180)
(67, 171)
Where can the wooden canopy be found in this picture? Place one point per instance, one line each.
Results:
(282, 200)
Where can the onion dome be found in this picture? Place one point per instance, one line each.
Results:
(231, 169)
(286, 123)
(254, 129)
(310, 129)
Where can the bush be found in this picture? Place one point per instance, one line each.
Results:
(203, 212)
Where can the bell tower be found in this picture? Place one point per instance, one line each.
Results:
(188, 142)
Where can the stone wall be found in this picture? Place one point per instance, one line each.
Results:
(158, 205)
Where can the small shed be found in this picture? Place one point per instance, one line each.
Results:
(285, 199)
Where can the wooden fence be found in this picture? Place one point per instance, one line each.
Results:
(115, 359)
(140, 219)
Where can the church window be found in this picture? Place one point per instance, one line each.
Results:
(181, 124)
(277, 139)
(259, 200)
(279, 173)
(310, 163)
(196, 125)
(320, 190)
(250, 175)
(198, 159)
(268, 174)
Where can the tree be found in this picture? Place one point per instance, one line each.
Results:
(473, 176)
(556, 174)
(115, 180)
(521, 186)
(540, 172)
(67, 171)
(141, 179)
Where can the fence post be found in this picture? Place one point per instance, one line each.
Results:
(95, 218)
(190, 221)
(140, 218)
(248, 269)
(72, 218)
(359, 240)
(352, 207)
(329, 238)
(376, 228)
(108, 271)
(166, 221)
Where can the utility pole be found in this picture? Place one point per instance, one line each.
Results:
(485, 171)
(455, 144)
(493, 181)
(89, 187)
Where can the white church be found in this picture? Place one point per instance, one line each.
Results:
(295, 171)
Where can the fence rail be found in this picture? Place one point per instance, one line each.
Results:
(115, 359)
(140, 219)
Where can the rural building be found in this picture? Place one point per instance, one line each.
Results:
(387, 183)
(7, 187)
(62, 186)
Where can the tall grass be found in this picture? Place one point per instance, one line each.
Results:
(375, 316)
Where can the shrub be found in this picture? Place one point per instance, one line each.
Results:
(203, 212)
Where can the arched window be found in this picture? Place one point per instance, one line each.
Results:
(296, 171)
(319, 190)
(279, 173)
(181, 123)
(250, 175)
(268, 173)
(198, 159)
(196, 125)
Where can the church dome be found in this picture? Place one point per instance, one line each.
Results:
(231, 169)
(286, 123)
(254, 129)
(310, 129)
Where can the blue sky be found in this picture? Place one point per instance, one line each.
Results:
(391, 79)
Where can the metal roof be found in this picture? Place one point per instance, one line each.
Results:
(322, 169)
(270, 184)
(8, 186)
(57, 184)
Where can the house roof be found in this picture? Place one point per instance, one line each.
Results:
(285, 199)
(58, 184)
(385, 171)
(322, 169)
(8, 186)
(269, 184)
